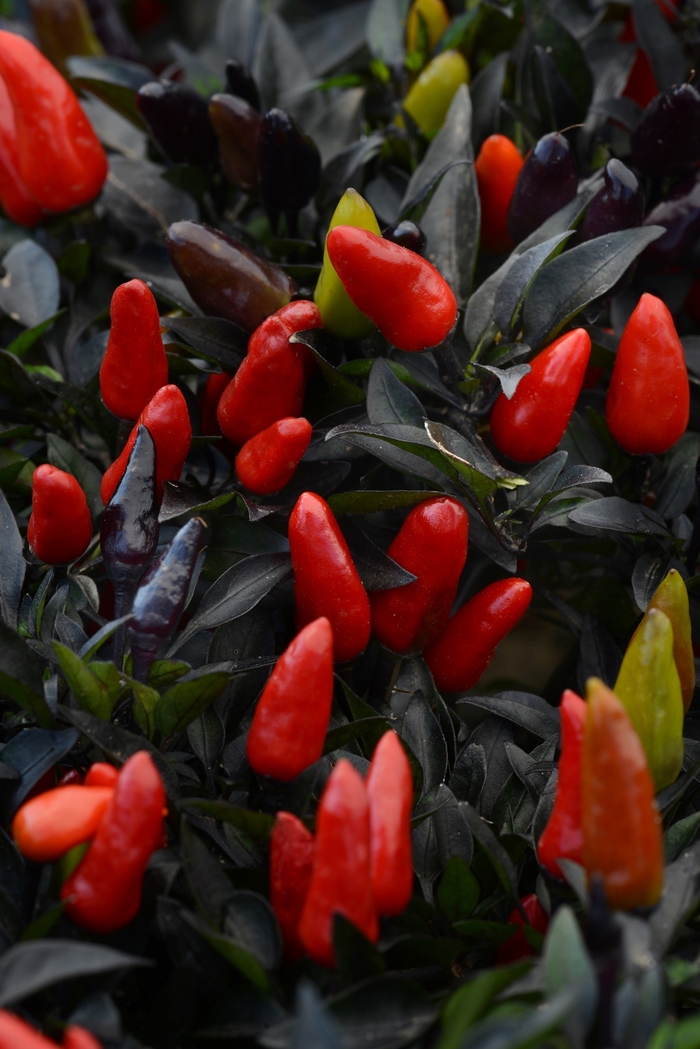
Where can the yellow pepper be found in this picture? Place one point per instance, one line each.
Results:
(429, 99)
(436, 19)
(671, 598)
(340, 315)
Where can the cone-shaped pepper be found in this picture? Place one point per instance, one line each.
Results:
(284, 148)
(548, 180)
(60, 526)
(390, 795)
(667, 139)
(619, 204)
(134, 366)
(433, 15)
(679, 214)
(179, 121)
(46, 827)
(671, 598)
(237, 128)
(429, 98)
(562, 838)
(497, 168)
(339, 313)
(622, 832)
(291, 864)
(15, 198)
(268, 461)
(517, 946)
(240, 82)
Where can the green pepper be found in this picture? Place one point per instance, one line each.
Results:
(650, 689)
(429, 99)
(340, 315)
(671, 598)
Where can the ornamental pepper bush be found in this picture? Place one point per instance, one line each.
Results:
(350, 524)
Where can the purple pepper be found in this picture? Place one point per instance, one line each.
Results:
(408, 234)
(667, 139)
(679, 214)
(619, 204)
(290, 168)
(547, 181)
(178, 117)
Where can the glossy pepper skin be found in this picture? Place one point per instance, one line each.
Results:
(548, 180)
(134, 366)
(16, 201)
(531, 424)
(237, 128)
(667, 139)
(104, 892)
(497, 168)
(161, 597)
(168, 421)
(562, 838)
(61, 161)
(49, 825)
(679, 214)
(271, 382)
(648, 402)
(326, 582)
(468, 643)
(401, 293)
(241, 83)
(428, 100)
(619, 204)
(649, 687)
(291, 864)
(622, 833)
(433, 15)
(64, 29)
(340, 883)
(225, 278)
(178, 118)
(339, 313)
(407, 234)
(517, 946)
(208, 401)
(671, 598)
(432, 545)
(283, 147)
(60, 526)
(17, 1034)
(291, 718)
(390, 795)
(100, 774)
(268, 461)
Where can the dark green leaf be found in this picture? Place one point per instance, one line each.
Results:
(30, 967)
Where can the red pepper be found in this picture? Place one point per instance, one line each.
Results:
(562, 837)
(61, 161)
(209, 399)
(268, 461)
(326, 582)
(49, 825)
(497, 168)
(291, 864)
(291, 719)
(17, 1034)
(431, 544)
(168, 421)
(101, 775)
(648, 401)
(468, 643)
(517, 946)
(271, 381)
(340, 883)
(400, 292)
(60, 526)
(531, 424)
(104, 892)
(15, 198)
(78, 1038)
(134, 366)
(390, 796)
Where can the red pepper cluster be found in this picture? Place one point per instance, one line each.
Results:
(17, 1034)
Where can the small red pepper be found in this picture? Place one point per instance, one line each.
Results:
(291, 864)
(271, 382)
(134, 366)
(341, 882)
(15, 198)
(400, 292)
(291, 719)
(268, 461)
(326, 582)
(432, 545)
(104, 892)
(101, 775)
(78, 1038)
(468, 643)
(390, 796)
(531, 424)
(648, 403)
(17, 1034)
(60, 526)
(208, 400)
(517, 946)
(168, 421)
(562, 838)
(49, 825)
(61, 161)
(497, 168)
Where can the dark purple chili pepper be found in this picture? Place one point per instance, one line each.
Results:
(547, 181)
(667, 139)
(408, 234)
(289, 166)
(679, 214)
(619, 204)
(240, 82)
(179, 121)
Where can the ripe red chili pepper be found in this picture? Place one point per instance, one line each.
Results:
(531, 424)
(291, 719)
(15, 198)
(61, 161)
(517, 946)
(562, 837)
(49, 825)
(648, 401)
(497, 168)
(101, 775)
(17, 1034)
(432, 545)
(326, 582)
(208, 400)
(271, 381)
(134, 366)
(390, 796)
(60, 526)
(78, 1038)
(291, 864)
(104, 892)
(400, 292)
(468, 643)
(341, 881)
(168, 421)
(268, 461)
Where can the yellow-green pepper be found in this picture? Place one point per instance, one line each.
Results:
(429, 99)
(340, 315)
(649, 687)
(671, 598)
(436, 19)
